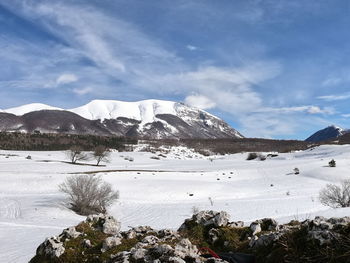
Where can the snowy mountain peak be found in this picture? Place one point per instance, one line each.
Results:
(328, 133)
(147, 118)
(21, 110)
(144, 111)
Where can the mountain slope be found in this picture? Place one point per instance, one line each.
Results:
(328, 133)
(149, 118)
(51, 121)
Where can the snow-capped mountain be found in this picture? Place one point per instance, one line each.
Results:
(147, 118)
(328, 133)
(29, 108)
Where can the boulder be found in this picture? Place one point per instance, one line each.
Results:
(208, 218)
(52, 247)
(107, 224)
(110, 242)
(255, 227)
(69, 233)
(185, 249)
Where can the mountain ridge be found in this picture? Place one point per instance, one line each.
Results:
(147, 118)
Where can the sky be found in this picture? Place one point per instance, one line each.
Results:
(270, 68)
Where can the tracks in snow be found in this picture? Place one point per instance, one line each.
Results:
(9, 208)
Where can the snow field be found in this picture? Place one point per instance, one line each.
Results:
(162, 193)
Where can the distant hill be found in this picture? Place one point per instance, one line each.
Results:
(326, 134)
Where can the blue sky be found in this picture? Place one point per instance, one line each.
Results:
(273, 68)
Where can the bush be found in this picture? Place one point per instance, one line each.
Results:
(88, 194)
(336, 196)
(332, 163)
(252, 156)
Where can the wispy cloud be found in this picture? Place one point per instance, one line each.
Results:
(344, 96)
(192, 48)
(310, 109)
(200, 101)
(332, 81)
(66, 78)
(82, 91)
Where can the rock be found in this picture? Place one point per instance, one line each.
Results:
(138, 254)
(213, 235)
(152, 246)
(107, 224)
(52, 248)
(265, 240)
(342, 221)
(208, 218)
(129, 234)
(111, 226)
(150, 240)
(236, 224)
(110, 242)
(324, 237)
(215, 260)
(87, 243)
(168, 234)
(69, 233)
(267, 224)
(255, 228)
(163, 249)
(185, 249)
(138, 231)
(176, 260)
(121, 257)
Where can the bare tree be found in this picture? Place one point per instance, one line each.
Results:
(75, 153)
(336, 196)
(88, 194)
(101, 154)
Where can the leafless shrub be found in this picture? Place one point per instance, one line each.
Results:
(88, 194)
(252, 156)
(101, 154)
(332, 163)
(336, 196)
(195, 210)
(75, 153)
(211, 201)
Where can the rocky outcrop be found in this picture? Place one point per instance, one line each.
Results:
(208, 218)
(99, 239)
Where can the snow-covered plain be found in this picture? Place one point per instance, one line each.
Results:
(162, 193)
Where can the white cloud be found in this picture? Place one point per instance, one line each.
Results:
(200, 101)
(192, 48)
(344, 96)
(66, 78)
(115, 46)
(83, 91)
(310, 109)
(233, 90)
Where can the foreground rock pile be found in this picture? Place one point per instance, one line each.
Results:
(99, 239)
